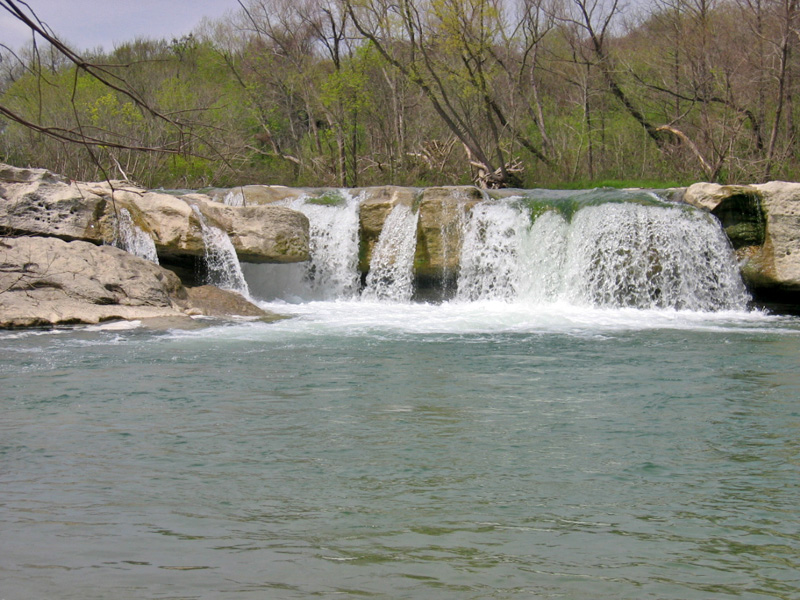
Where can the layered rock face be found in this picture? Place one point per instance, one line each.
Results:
(47, 281)
(56, 267)
(763, 224)
(442, 211)
(36, 202)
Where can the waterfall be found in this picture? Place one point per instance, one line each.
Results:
(491, 252)
(234, 197)
(332, 271)
(132, 239)
(222, 265)
(544, 248)
(391, 270)
(598, 248)
(333, 244)
(620, 254)
(651, 257)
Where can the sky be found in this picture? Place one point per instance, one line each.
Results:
(87, 24)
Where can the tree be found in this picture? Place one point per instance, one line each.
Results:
(451, 50)
(70, 74)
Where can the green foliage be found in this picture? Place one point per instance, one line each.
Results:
(310, 101)
(328, 198)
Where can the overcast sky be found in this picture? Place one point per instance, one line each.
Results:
(86, 24)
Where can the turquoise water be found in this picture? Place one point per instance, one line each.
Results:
(467, 451)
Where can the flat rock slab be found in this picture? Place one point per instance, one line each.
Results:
(48, 282)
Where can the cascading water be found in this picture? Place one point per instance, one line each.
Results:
(651, 257)
(132, 239)
(601, 248)
(391, 275)
(333, 244)
(491, 252)
(234, 197)
(222, 265)
(544, 246)
(332, 272)
(610, 255)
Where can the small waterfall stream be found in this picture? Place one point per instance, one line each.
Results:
(491, 252)
(133, 239)
(391, 274)
(222, 265)
(234, 197)
(332, 272)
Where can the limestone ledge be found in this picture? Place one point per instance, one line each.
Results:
(45, 281)
(762, 221)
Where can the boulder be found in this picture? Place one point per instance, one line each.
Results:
(266, 194)
(441, 213)
(260, 234)
(740, 209)
(47, 281)
(10, 174)
(44, 205)
(763, 224)
(213, 302)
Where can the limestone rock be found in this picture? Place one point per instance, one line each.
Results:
(214, 302)
(441, 212)
(740, 209)
(376, 204)
(269, 194)
(763, 223)
(44, 206)
(35, 202)
(10, 174)
(260, 234)
(781, 250)
(47, 281)
(250, 195)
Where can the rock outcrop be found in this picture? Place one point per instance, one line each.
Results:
(763, 224)
(376, 204)
(211, 301)
(36, 202)
(442, 211)
(47, 282)
(256, 195)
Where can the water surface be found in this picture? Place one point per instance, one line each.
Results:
(466, 450)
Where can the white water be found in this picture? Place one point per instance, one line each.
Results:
(611, 255)
(332, 272)
(222, 265)
(234, 197)
(132, 239)
(391, 270)
(491, 252)
(650, 257)
(455, 319)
